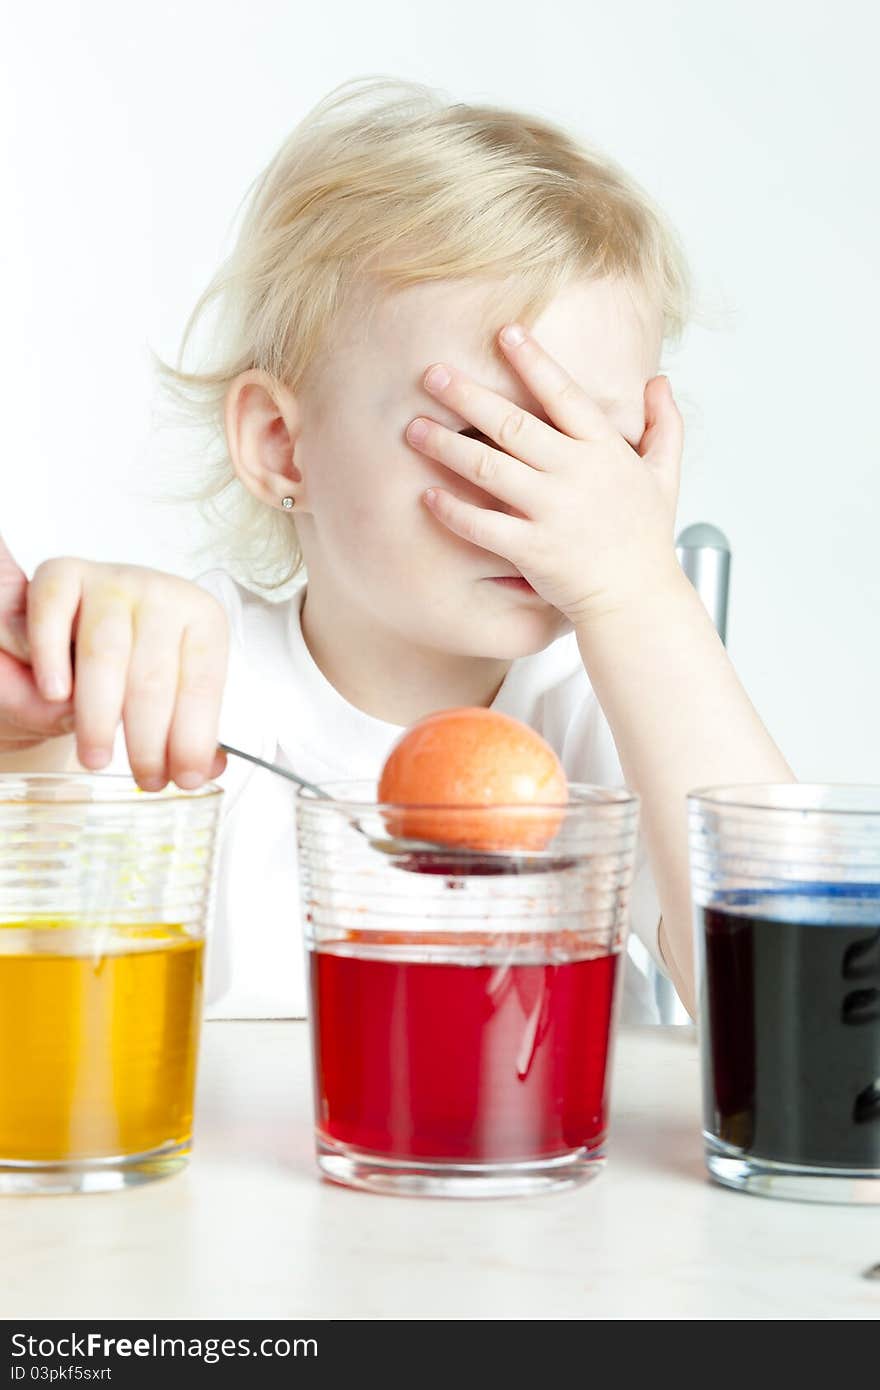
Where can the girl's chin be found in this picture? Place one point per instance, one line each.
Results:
(514, 629)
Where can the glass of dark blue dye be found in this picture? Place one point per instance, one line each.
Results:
(786, 896)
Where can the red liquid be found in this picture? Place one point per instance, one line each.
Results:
(472, 1063)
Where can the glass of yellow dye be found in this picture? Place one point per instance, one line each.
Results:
(104, 896)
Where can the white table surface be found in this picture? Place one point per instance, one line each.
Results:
(250, 1229)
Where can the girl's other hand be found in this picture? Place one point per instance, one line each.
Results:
(149, 649)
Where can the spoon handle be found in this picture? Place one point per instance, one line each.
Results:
(273, 767)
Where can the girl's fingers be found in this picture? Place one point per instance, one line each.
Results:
(503, 535)
(150, 697)
(103, 650)
(192, 743)
(503, 477)
(566, 402)
(514, 430)
(53, 597)
(136, 661)
(24, 713)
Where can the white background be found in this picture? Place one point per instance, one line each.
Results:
(129, 136)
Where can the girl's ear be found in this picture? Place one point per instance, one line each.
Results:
(262, 420)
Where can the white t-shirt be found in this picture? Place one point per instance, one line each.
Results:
(278, 705)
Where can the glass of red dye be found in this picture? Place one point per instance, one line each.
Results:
(463, 1006)
(786, 892)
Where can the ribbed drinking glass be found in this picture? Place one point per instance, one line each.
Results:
(104, 894)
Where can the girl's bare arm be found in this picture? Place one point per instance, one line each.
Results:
(681, 720)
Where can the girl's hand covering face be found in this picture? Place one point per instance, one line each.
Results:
(593, 518)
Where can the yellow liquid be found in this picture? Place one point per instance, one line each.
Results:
(98, 1050)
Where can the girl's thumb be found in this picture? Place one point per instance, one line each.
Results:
(662, 443)
(13, 606)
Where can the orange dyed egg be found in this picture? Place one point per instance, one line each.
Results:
(475, 759)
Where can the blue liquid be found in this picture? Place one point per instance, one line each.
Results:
(791, 1002)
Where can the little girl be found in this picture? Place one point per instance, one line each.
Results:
(448, 475)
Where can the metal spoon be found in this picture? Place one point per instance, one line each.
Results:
(424, 856)
(389, 846)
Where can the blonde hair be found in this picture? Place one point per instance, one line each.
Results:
(385, 183)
